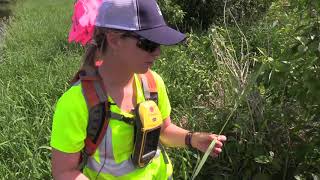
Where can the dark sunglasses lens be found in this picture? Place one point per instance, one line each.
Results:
(143, 43)
(148, 45)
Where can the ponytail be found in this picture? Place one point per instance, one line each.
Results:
(89, 59)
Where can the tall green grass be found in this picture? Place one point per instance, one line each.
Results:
(269, 136)
(34, 68)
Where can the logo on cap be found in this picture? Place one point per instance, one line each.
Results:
(158, 9)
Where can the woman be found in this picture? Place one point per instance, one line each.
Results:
(127, 38)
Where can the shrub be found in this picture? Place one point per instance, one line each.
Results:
(195, 15)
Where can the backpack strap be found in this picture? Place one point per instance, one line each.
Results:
(149, 86)
(121, 117)
(98, 108)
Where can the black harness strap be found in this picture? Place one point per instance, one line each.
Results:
(121, 118)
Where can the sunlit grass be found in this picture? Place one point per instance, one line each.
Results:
(37, 62)
(34, 70)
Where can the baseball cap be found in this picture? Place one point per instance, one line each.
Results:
(143, 17)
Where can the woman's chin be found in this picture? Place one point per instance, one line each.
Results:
(143, 70)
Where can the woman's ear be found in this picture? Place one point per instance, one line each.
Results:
(113, 40)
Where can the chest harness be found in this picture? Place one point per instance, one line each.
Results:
(147, 120)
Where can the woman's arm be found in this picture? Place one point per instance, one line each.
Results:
(174, 136)
(64, 166)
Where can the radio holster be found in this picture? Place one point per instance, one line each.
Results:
(147, 128)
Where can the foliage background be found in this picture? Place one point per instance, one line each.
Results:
(270, 50)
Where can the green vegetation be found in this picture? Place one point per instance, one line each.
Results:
(35, 66)
(265, 56)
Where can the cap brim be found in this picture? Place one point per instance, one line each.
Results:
(162, 35)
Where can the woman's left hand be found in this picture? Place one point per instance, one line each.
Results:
(202, 140)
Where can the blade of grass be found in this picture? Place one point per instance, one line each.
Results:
(205, 156)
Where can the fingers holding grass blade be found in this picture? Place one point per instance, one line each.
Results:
(201, 141)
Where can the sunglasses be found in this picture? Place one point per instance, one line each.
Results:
(142, 42)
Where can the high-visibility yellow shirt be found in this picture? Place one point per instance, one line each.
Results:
(69, 132)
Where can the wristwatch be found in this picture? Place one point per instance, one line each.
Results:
(188, 139)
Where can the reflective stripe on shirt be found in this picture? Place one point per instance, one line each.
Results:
(107, 162)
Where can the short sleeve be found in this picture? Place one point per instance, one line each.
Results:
(70, 121)
(163, 100)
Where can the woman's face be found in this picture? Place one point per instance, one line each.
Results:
(133, 58)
